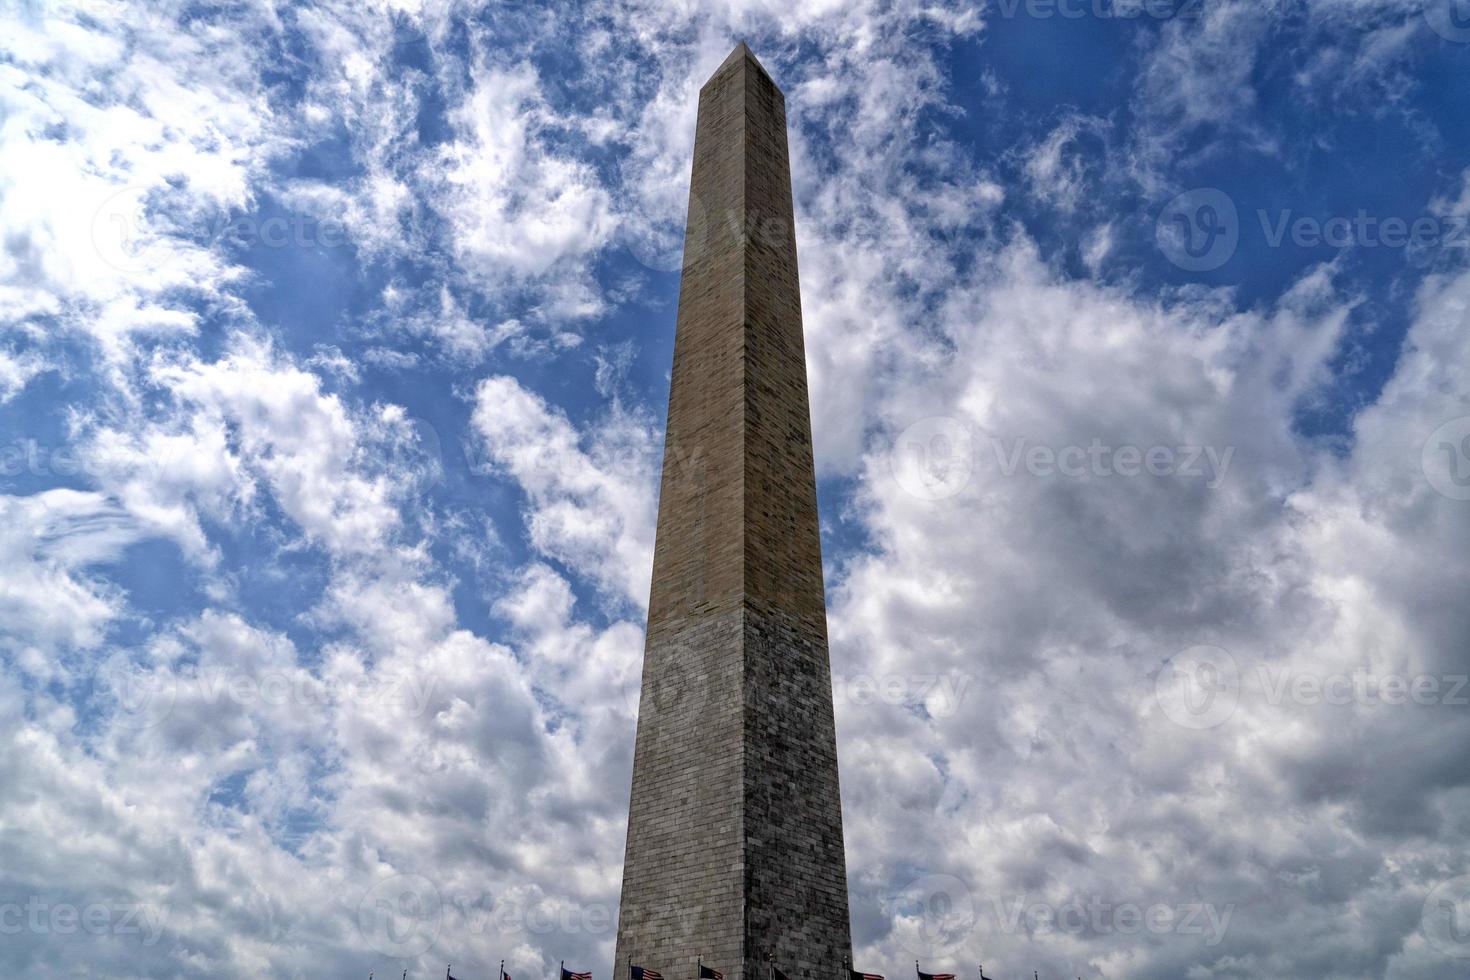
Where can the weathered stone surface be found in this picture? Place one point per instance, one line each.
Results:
(735, 826)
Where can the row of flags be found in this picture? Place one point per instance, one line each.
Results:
(710, 973)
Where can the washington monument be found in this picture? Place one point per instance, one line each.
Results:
(735, 854)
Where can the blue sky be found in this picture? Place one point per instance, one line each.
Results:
(334, 357)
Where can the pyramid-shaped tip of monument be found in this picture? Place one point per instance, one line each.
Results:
(741, 53)
(742, 50)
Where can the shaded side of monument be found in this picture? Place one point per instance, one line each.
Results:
(735, 852)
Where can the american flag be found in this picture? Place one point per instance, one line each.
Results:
(935, 976)
(644, 973)
(709, 973)
(569, 975)
(859, 975)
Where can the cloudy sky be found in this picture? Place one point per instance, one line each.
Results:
(334, 350)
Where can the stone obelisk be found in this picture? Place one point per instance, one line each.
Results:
(735, 852)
